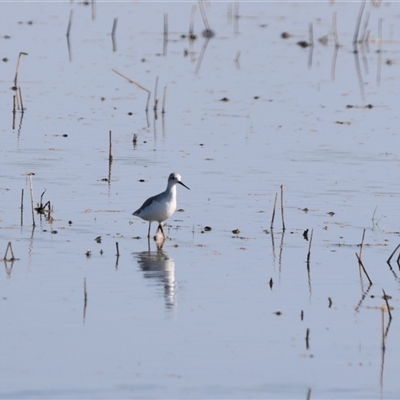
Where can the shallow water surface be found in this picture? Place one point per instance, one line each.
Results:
(206, 314)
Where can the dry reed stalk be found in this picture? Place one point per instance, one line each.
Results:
(283, 219)
(138, 85)
(114, 27)
(309, 246)
(69, 23)
(363, 268)
(17, 69)
(358, 22)
(362, 243)
(273, 212)
(394, 251)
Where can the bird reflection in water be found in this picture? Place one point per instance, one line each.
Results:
(157, 266)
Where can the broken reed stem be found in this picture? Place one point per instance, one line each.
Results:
(387, 303)
(110, 152)
(138, 85)
(69, 23)
(394, 251)
(114, 27)
(309, 246)
(117, 246)
(32, 201)
(365, 271)
(164, 100)
(273, 212)
(360, 13)
(283, 219)
(155, 95)
(362, 244)
(17, 70)
(84, 291)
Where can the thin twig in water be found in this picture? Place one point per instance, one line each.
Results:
(362, 243)
(138, 85)
(307, 338)
(283, 219)
(155, 95)
(17, 70)
(394, 251)
(117, 246)
(84, 290)
(69, 23)
(335, 33)
(114, 27)
(20, 99)
(110, 151)
(203, 15)
(165, 34)
(364, 35)
(113, 31)
(360, 13)
(164, 100)
(191, 24)
(273, 212)
(363, 268)
(32, 201)
(309, 246)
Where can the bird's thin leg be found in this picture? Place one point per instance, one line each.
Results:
(160, 227)
(148, 233)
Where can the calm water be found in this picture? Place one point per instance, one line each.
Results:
(209, 314)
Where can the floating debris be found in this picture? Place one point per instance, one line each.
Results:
(303, 44)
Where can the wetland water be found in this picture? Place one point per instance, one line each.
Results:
(210, 314)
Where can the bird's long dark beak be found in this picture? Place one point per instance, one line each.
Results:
(184, 185)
